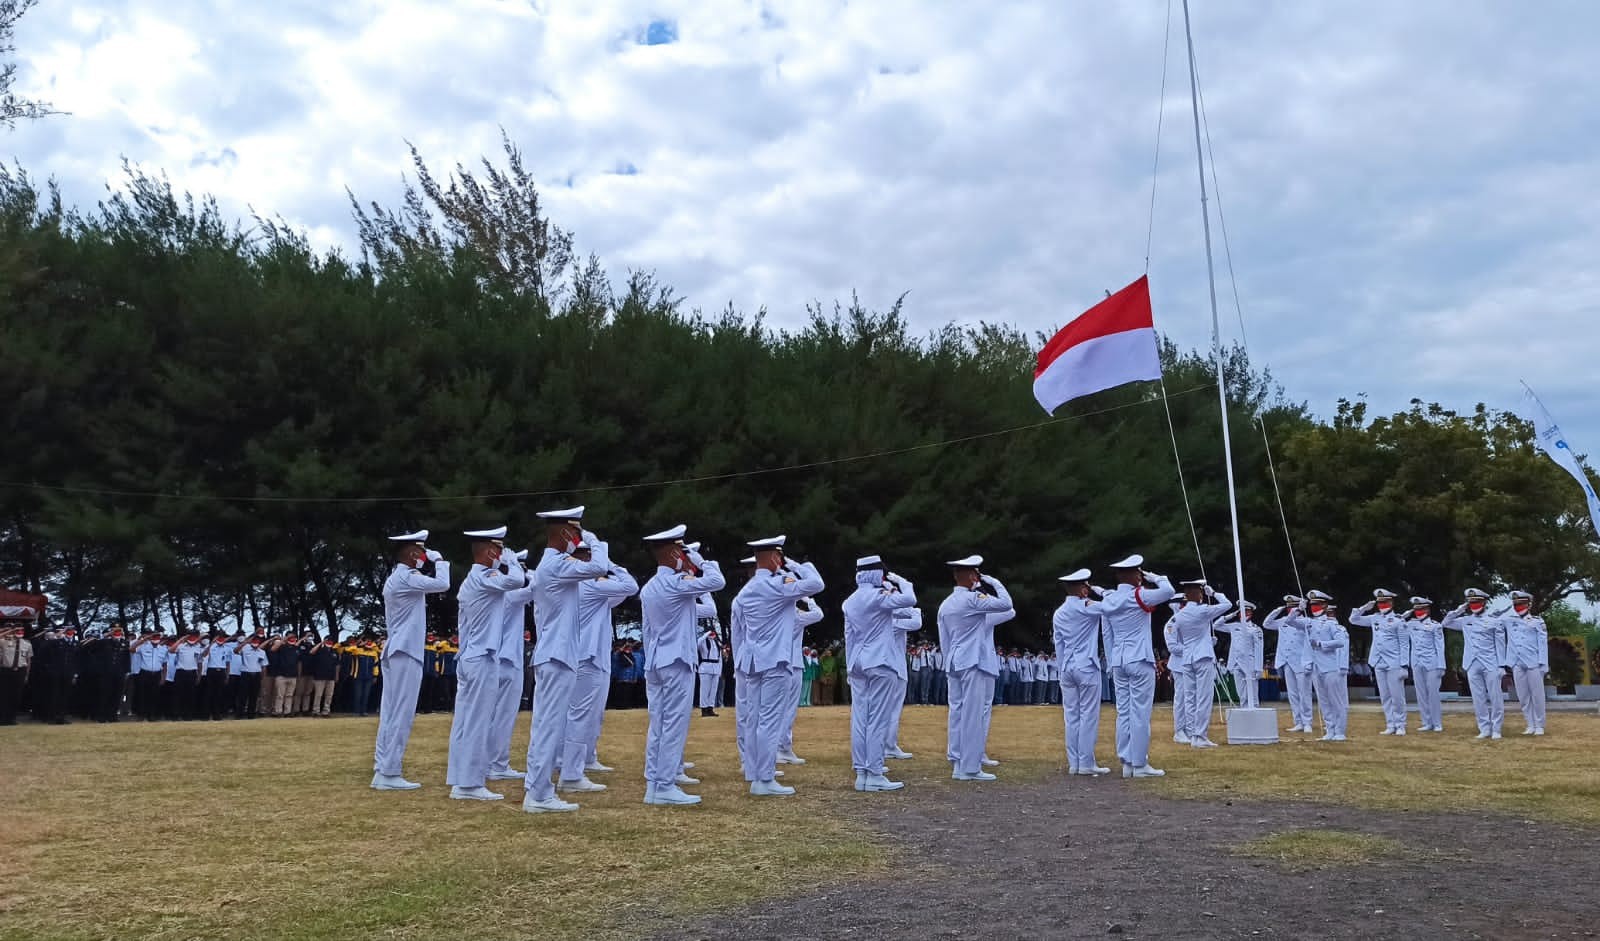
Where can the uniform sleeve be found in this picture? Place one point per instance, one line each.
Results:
(565, 568)
(810, 612)
(807, 582)
(704, 607)
(709, 579)
(413, 582)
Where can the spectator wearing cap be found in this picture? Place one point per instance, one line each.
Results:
(16, 660)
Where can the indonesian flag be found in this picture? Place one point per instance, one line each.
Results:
(1111, 343)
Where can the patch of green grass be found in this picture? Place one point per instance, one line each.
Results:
(1305, 850)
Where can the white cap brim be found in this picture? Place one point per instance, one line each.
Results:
(970, 562)
(420, 535)
(1131, 562)
(1081, 575)
(557, 516)
(748, 561)
(867, 561)
(668, 535)
(771, 542)
(497, 533)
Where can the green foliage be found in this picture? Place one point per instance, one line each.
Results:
(211, 423)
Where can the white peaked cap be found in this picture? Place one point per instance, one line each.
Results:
(1382, 593)
(1194, 583)
(867, 561)
(558, 516)
(748, 561)
(1081, 575)
(420, 535)
(1477, 593)
(694, 546)
(497, 533)
(668, 535)
(970, 562)
(1131, 562)
(1247, 604)
(1315, 595)
(1419, 601)
(521, 554)
(1520, 595)
(1292, 599)
(772, 542)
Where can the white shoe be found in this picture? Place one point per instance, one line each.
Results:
(976, 776)
(511, 774)
(595, 767)
(1527, 731)
(550, 805)
(1387, 731)
(1538, 731)
(685, 779)
(1086, 772)
(1483, 735)
(1337, 738)
(1127, 770)
(670, 796)
(1181, 738)
(1495, 736)
(1072, 769)
(769, 789)
(777, 774)
(580, 785)
(1202, 743)
(897, 752)
(479, 793)
(688, 766)
(988, 762)
(861, 780)
(1400, 732)
(877, 782)
(392, 782)
(1095, 770)
(1145, 771)
(790, 758)
(1327, 737)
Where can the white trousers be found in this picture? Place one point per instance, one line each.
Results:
(671, 693)
(1488, 699)
(763, 709)
(477, 687)
(892, 740)
(1427, 686)
(507, 701)
(791, 710)
(1135, 685)
(873, 704)
(1182, 700)
(1080, 714)
(584, 715)
(708, 689)
(1297, 683)
(1333, 695)
(1202, 693)
(1246, 685)
(953, 719)
(1530, 694)
(402, 678)
(1392, 693)
(971, 734)
(548, 732)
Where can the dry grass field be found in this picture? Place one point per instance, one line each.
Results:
(267, 829)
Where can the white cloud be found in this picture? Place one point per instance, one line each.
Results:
(1409, 187)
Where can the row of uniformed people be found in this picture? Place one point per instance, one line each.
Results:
(1026, 679)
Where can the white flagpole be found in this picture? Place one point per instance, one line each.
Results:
(1216, 325)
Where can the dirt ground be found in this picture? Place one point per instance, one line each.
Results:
(1081, 857)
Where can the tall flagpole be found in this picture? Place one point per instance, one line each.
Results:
(1216, 324)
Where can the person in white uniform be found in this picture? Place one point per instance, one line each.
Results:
(765, 661)
(1182, 693)
(1330, 664)
(1387, 656)
(877, 667)
(907, 621)
(1483, 656)
(709, 670)
(509, 660)
(1125, 611)
(1244, 653)
(597, 597)
(667, 603)
(807, 613)
(1292, 659)
(966, 632)
(418, 573)
(1425, 639)
(558, 650)
(1075, 628)
(1528, 650)
(480, 603)
(1191, 632)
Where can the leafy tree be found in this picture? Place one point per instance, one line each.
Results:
(14, 107)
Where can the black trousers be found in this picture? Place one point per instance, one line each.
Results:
(147, 694)
(218, 698)
(10, 694)
(185, 687)
(49, 693)
(109, 697)
(247, 695)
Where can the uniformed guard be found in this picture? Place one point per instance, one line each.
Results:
(1528, 650)
(1292, 659)
(1191, 631)
(1244, 653)
(560, 647)
(966, 625)
(1330, 663)
(667, 606)
(597, 597)
(1075, 628)
(1425, 639)
(709, 671)
(906, 622)
(877, 667)
(252, 661)
(1387, 656)
(480, 609)
(767, 658)
(1483, 656)
(1182, 695)
(509, 662)
(1126, 611)
(418, 572)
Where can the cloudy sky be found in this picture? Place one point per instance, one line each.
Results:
(1412, 189)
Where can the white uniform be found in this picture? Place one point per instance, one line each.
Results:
(1293, 662)
(966, 633)
(480, 610)
(765, 621)
(1426, 642)
(1388, 656)
(1191, 631)
(709, 668)
(907, 621)
(1126, 613)
(877, 670)
(667, 603)
(1244, 658)
(1483, 656)
(1182, 681)
(509, 661)
(1528, 650)
(1330, 663)
(1075, 628)
(807, 613)
(558, 650)
(405, 615)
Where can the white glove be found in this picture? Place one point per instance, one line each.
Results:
(589, 537)
(434, 555)
(899, 582)
(696, 558)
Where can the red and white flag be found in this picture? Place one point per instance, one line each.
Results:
(1111, 343)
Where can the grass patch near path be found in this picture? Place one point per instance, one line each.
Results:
(1306, 850)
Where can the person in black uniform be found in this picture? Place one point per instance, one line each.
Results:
(93, 657)
(120, 666)
(55, 663)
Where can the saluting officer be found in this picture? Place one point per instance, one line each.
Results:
(1426, 640)
(1126, 612)
(1483, 656)
(418, 572)
(1528, 650)
(1387, 656)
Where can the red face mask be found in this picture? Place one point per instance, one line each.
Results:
(1420, 612)
(1384, 606)
(1474, 606)
(1521, 607)
(1317, 609)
